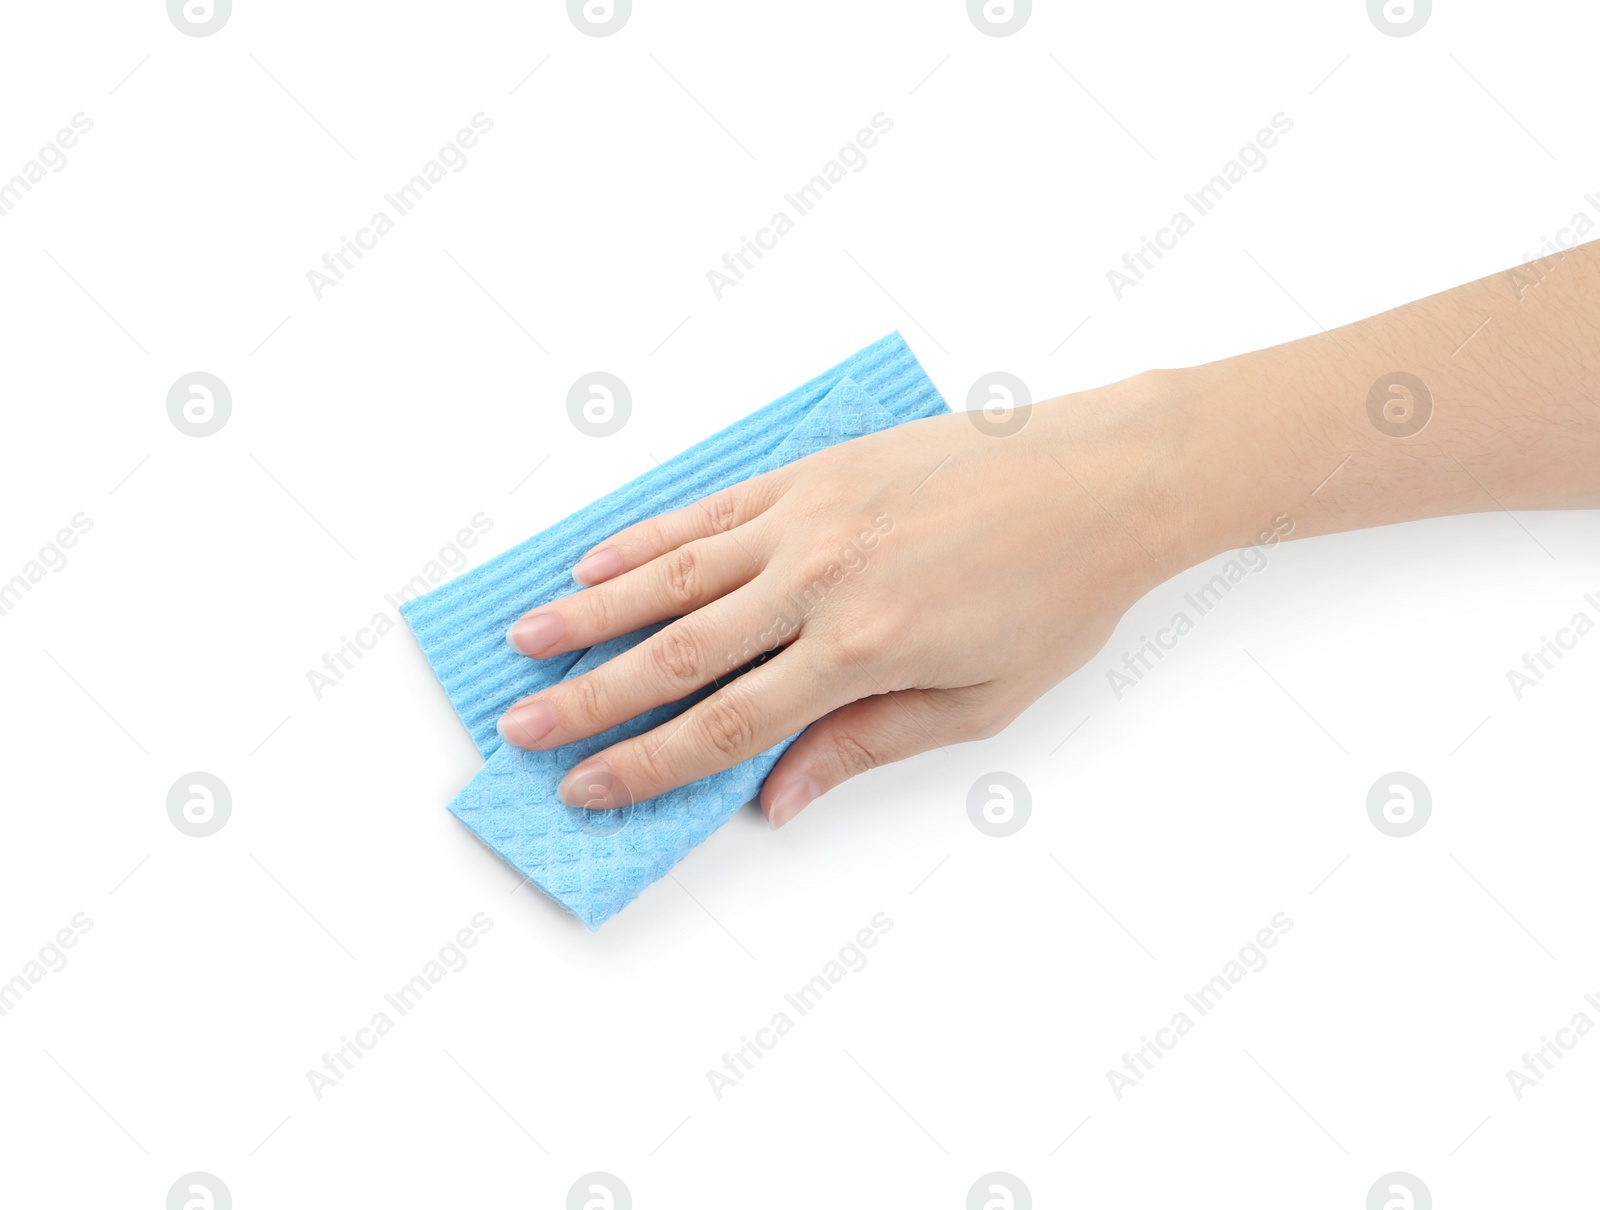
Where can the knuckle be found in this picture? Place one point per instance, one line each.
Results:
(853, 754)
(990, 720)
(727, 728)
(720, 513)
(598, 610)
(586, 701)
(651, 535)
(678, 656)
(683, 576)
(987, 726)
(647, 768)
(854, 651)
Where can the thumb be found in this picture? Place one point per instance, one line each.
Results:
(872, 732)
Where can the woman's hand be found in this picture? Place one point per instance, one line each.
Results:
(923, 585)
(918, 587)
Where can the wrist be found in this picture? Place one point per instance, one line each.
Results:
(1245, 451)
(1196, 462)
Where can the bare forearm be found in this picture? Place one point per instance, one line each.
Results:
(1486, 396)
(1483, 397)
(1015, 551)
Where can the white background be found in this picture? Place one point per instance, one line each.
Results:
(371, 425)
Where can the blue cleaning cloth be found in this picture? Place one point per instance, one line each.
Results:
(594, 863)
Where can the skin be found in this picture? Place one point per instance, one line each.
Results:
(922, 586)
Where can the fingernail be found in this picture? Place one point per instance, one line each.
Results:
(791, 799)
(536, 632)
(524, 725)
(601, 565)
(588, 786)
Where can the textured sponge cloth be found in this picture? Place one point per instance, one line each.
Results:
(594, 862)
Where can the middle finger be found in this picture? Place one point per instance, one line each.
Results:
(666, 667)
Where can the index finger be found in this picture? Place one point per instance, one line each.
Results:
(718, 513)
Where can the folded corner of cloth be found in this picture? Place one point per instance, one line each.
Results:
(593, 863)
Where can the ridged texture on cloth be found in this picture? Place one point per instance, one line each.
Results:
(594, 863)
